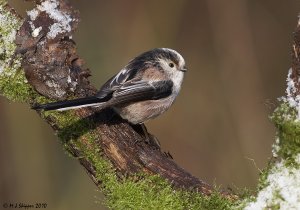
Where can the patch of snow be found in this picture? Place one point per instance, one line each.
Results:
(291, 99)
(33, 14)
(62, 21)
(36, 31)
(275, 148)
(57, 28)
(283, 188)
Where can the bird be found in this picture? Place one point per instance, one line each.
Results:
(144, 89)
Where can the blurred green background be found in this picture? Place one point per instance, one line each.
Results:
(237, 53)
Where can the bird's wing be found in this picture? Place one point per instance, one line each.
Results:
(140, 91)
(115, 82)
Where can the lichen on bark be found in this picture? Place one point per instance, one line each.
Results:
(13, 84)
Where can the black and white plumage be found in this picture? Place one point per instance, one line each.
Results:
(145, 88)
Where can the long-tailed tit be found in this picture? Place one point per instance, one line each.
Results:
(144, 89)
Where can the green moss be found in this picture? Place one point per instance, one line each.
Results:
(145, 191)
(285, 150)
(3, 2)
(263, 176)
(15, 87)
(70, 128)
(153, 192)
(150, 192)
(285, 119)
(62, 119)
(13, 83)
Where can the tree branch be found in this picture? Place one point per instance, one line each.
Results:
(279, 186)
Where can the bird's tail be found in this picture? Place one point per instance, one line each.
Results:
(69, 104)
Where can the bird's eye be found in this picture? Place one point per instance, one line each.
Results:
(171, 65)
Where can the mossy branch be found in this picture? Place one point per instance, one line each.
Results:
(279, 185)
(39, 63)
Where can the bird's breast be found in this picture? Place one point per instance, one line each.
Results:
(140, 112)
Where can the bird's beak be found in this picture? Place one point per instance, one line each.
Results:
(183, 70)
